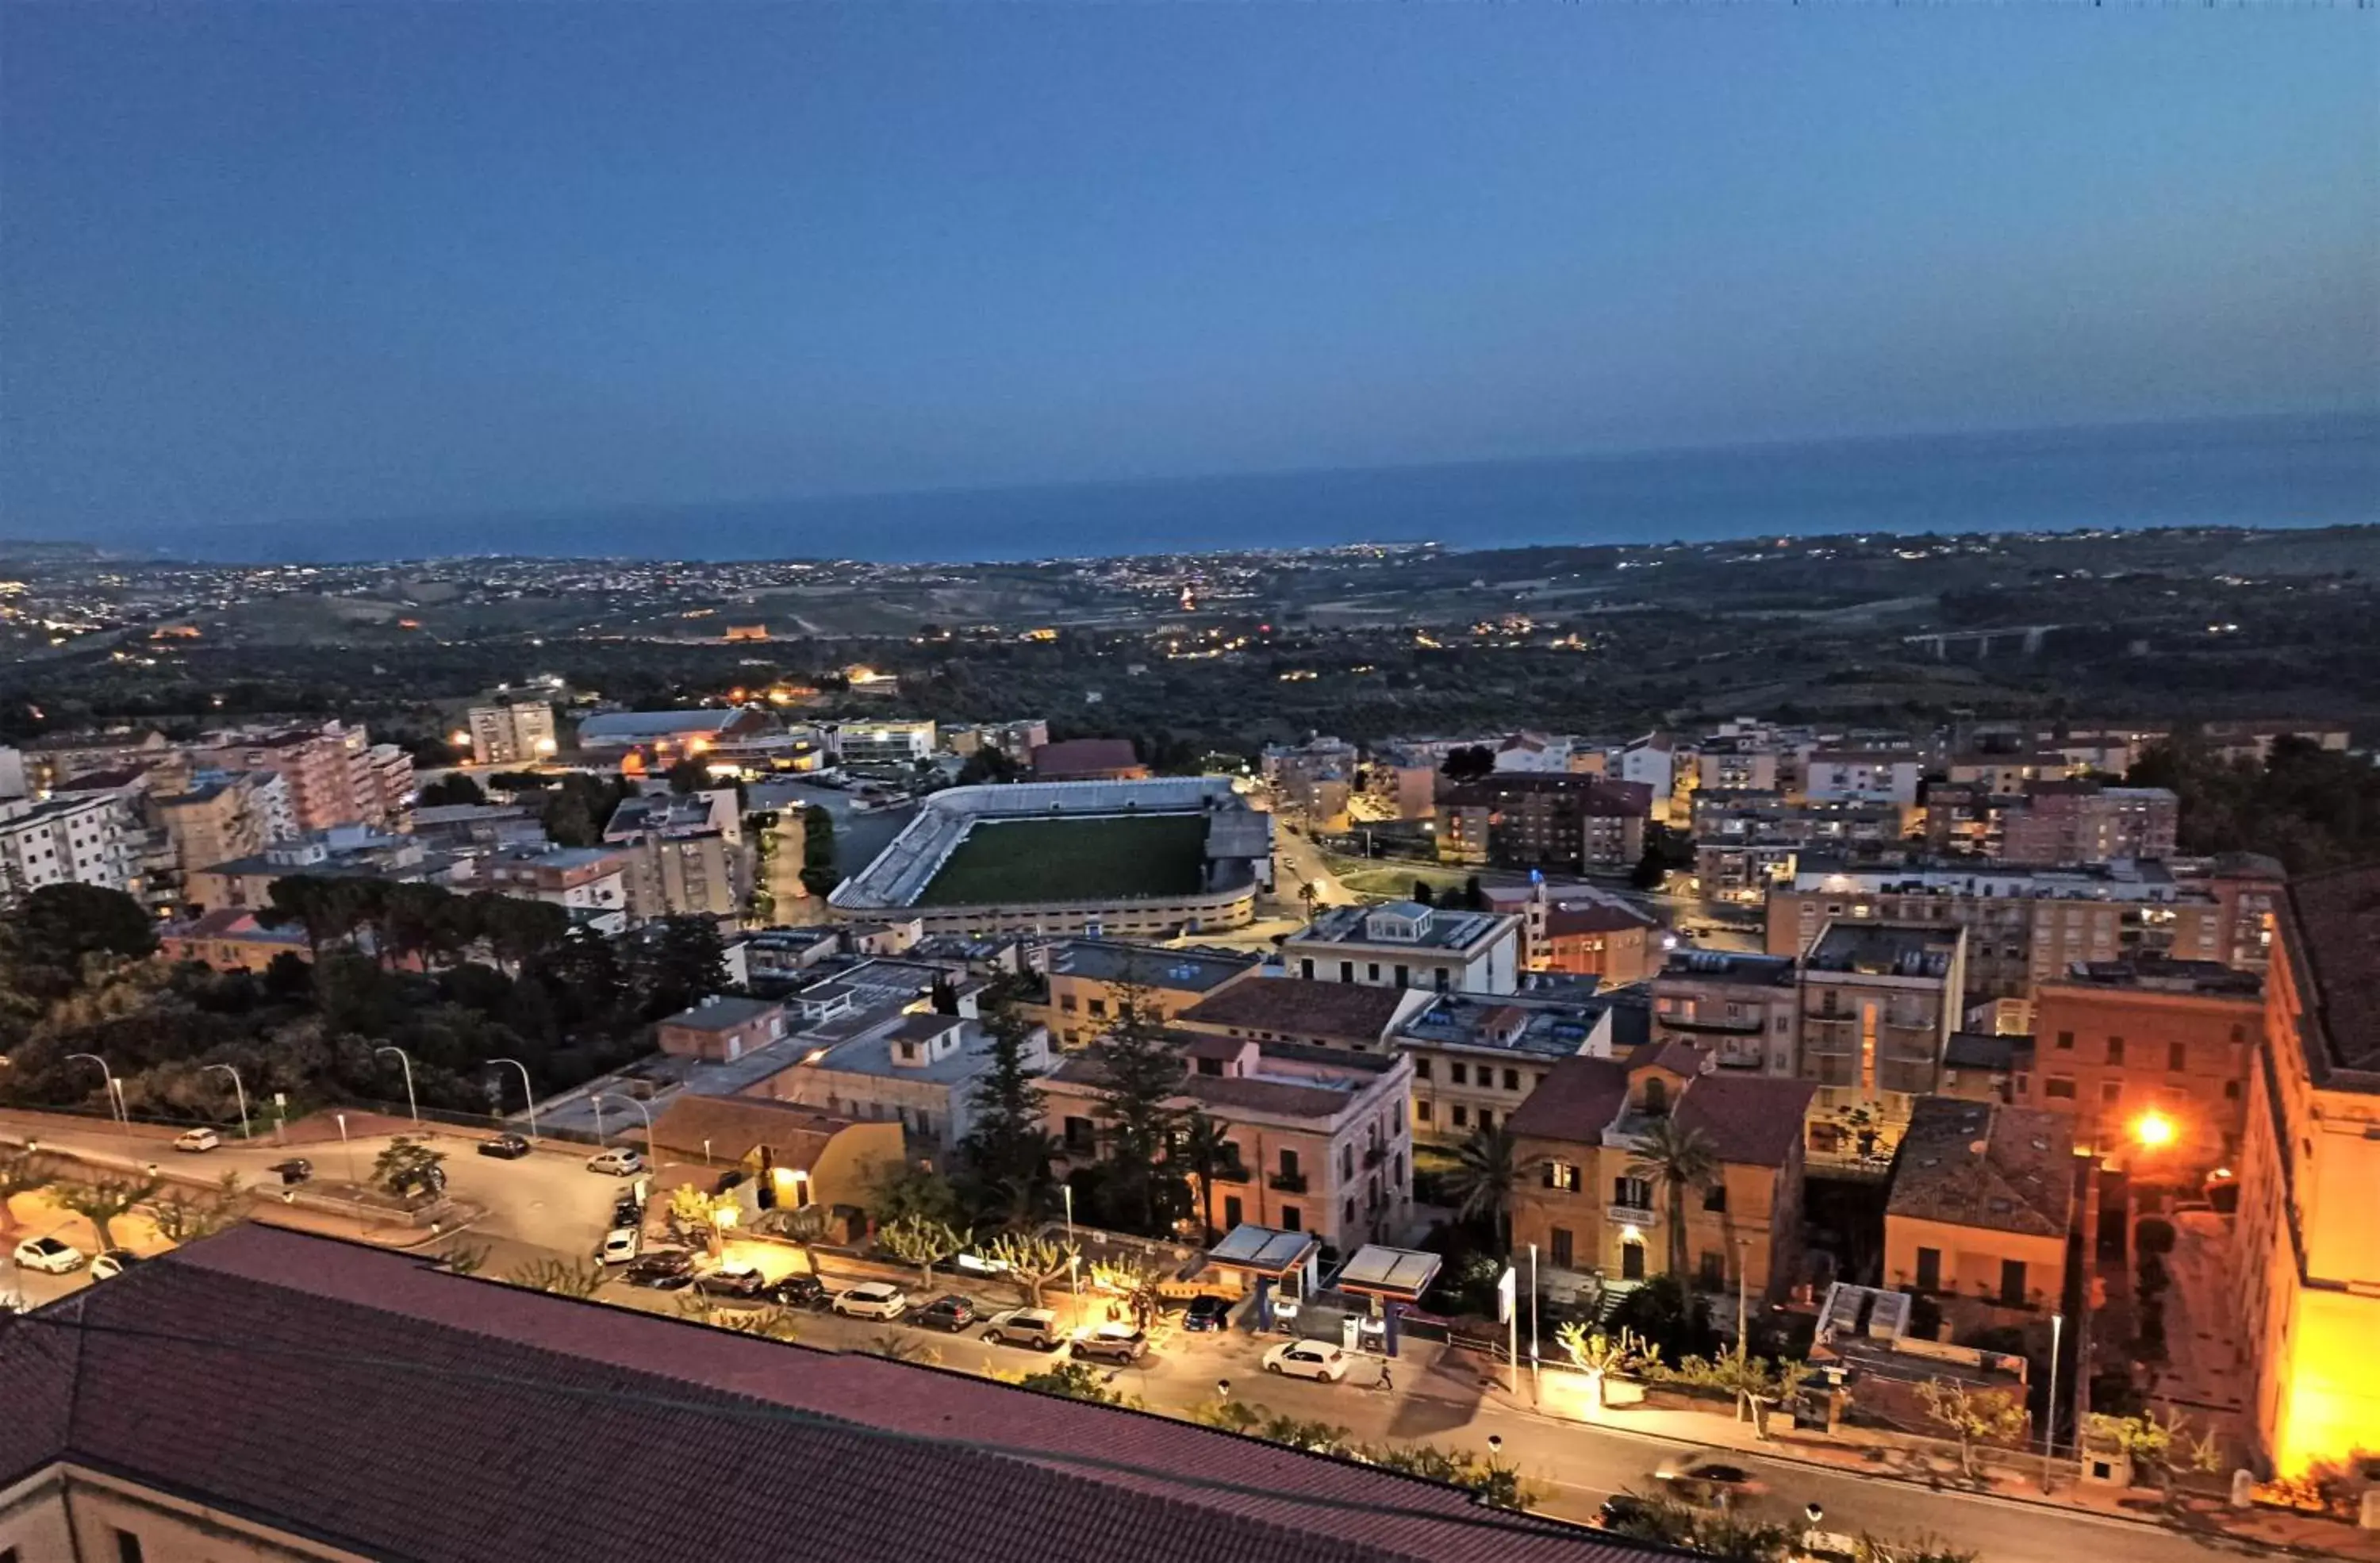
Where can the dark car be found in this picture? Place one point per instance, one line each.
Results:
(801, 1291)
(1207, 1313)
(505, 1147)
(296, 1169)
(1620, 1511)
(953, 1312)
(738, 1283)
(627, 1211)
(1119, 1344)
(663, 1270)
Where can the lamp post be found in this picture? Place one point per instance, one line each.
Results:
(239, 1090)
(528, 1092)
(1536, 1372)
(411, 1107)
(114, 1102)
(2049, 1415)
(642, 1110)
(1742, 1299)
(347, 1146)
(596, 1101)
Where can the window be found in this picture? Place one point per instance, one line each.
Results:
(2066, 1039)
(1346, 1161)
(2230, 1090)
(2058, 1089)
(1291, 1218)
(2111, 1092)
(1421, 1069)
(1305, 968)
(1635, 1192)
(1712, 1268)
(2115, 1049)
(1486, 1121)
(1372, 971)
(1462, 1115)
(1459, 1074)
(1512, 1080)
(1231, 1211)
(1715, 1197)
(1562, 1175)
(1099, 1008)
(1346, 971)
(1347, 1213)
(1929, 1270)
(1557, 1238)
(1404, 976)
(2177, 1057)
(128, 1547)
(2012, 1282)
(1066, 1003)
(1289, 1164)
(1080, 1136)
(1421, 1112)
(1397, 1169)
(1210, 1066)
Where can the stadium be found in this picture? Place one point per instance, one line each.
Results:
(1153, 858)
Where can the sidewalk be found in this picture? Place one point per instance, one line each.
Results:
(1874, 1452)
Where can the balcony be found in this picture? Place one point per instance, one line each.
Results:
(1286, 1183)
(1375, 1155)
(1232, 1172)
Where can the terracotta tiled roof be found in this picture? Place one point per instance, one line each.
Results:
(1980, 1164)
(1576, 1101)
(734, 1127)
(1751, 1119)
(1591, 917)
(2333, 934)
(1293, 1006)
(388, 1410)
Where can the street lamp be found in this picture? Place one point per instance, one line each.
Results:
(2049, 1418)
(347, 1146)
(114, 1102)
(645, 1112)
(239, 1090)
(410, 1105)
(528, 1092)
(2154, 1129)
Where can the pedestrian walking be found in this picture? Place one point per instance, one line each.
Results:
(1386, 1385)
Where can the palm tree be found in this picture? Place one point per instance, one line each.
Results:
(1311, 893)
(1675, 1158)
(1205, 1149)
(1485, 1170)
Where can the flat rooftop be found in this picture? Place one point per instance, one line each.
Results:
(1870, 949)
(1544, 1029)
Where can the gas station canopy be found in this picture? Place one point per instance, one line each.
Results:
(1400, 1275)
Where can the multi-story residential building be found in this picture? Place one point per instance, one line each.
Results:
(2309, 1246)
(1312, 1014)
(517, 732)
(1982, 1197)
(722, 1029)
(889, 741)
(325, 1345)
(591, 883)
(1863, 775)
(2025, 924)
(2063, 823)
(335, 775)
(1017, 740)
(2246, 889)
(84, 839)
(1586, 1206)
(1477, 1060)
(1878, 1003)
(2117, 1041)
(682, 853)
(1745, 1010)
(920, 1070)
(224, 817)
(349, 852)
(1090, 979)
(1543, 821)
(1318, 1134)
(1606, 938)
(1405, 944)
(1736, 765)
(1650, 762)
(2004, 775)
(58, 757)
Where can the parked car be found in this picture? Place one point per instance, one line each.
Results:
(1619, 1511)
(1036, 1328)
(1208, 1312)
(627, 1211)
(114, 1262)
(663, 1270)
(873, 1301)
(800, 1291)
(620, 1246)
(953, 1312)
(505, 1147)
(296, 1169)
(51, 1257)
(735, 1281)
(197, 1140)
(1111, 1343)
(1699, 1479)
(1307, 1359)
(619, 1161)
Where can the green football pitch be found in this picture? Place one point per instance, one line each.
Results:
(1104, 858)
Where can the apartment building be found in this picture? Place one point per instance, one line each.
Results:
(1742, 1008)
(1090, 978)
(58, 757)
(1585, 1207)
(83, 839)
(1312, 1014)
(2007, 775)
(682, 853)
(1017, 740)
(2026, 924)
(722, 1028)
(1579, 929)
(1475, 1060)
(1559, 822)
(1982, 1198)
(2065, 823)
(2309, 1271)
(517, 732)
(591, 883)
(2116, 1042)
(918, 1069)
(1317, 1135)
(1405, 944)
(1879, 1002)
(351, 852)
(1736, 765)
(1863, 776)
(880, 743)
(335, 774)
(225, 816)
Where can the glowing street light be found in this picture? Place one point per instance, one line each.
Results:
(2154, 1129)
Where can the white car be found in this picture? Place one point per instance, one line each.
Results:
(197, 1140)
(113, 1263)
(51, 1257)
(619, 1161)
(874, 1301)
(1307, 1359)
(620, 1246)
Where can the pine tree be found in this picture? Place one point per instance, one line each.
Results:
(1143, 1075)
(1007, 1143)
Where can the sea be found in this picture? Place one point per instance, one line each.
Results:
(2286, 472)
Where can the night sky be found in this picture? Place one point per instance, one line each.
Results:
(349, 262)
